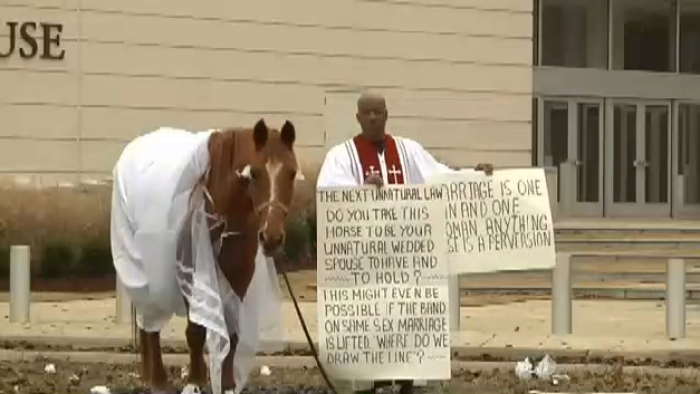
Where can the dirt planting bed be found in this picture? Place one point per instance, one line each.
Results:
(71, 377)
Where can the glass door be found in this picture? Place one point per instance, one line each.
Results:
(569, 138)
(553, 141)
(686, 169)
(589, 158)
(638, 159)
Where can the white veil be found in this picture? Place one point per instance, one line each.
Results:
(213, 304)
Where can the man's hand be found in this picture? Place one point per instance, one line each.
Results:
(375, 180)
(485, 167)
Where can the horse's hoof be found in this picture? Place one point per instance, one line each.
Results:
(191, 389)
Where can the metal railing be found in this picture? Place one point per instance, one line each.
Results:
(562, 300)
(561, 293)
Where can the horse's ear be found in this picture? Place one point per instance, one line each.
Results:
(260, 133)
(288, 133)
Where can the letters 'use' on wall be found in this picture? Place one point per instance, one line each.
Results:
(385, 255)
(31, 39)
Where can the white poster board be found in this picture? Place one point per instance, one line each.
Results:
(499, 222)
(382, 283)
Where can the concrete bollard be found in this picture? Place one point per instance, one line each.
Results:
(123, 313)
(675, 299)
(20, 283)
(561, 295)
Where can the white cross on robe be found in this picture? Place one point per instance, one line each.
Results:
(395, 172)
(371, 172)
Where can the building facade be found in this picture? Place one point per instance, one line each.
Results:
(604, 93)
(617, 97)
(457, 75)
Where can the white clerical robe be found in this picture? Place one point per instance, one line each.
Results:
(350, 163)
(402, 161)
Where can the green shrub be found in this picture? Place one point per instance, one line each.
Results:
(297, 244)
(67, 228)
(311, 224)
(53, 222)
(95, 258)
(58, 259)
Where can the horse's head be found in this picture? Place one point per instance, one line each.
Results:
(261, 170)
(272, 174)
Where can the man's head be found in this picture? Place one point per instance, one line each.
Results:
(372, 115)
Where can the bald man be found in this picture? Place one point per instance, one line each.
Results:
(378, 158)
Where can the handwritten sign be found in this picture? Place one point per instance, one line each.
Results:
(497, 222)
(382, 283)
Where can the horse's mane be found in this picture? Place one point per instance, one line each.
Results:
(230, 150)
(226, 148)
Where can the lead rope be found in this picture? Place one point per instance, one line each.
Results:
(330, 385)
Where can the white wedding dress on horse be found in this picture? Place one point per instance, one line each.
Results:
(153, 180)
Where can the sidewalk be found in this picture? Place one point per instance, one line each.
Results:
(600, 327)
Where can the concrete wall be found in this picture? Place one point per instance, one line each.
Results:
(457, 74)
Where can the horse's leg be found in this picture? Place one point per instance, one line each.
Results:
(160, 375)
(156, 377)
(196, 336)
(239, 277)
(145, 358)
(228, 381)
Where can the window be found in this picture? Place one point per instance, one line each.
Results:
(643, 35)
(574, 33)
(689, 50)
(689, 146)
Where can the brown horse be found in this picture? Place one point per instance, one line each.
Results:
(249, 186)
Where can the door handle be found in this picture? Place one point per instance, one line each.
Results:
(641, 163)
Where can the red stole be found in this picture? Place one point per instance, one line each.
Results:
(369, 159)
